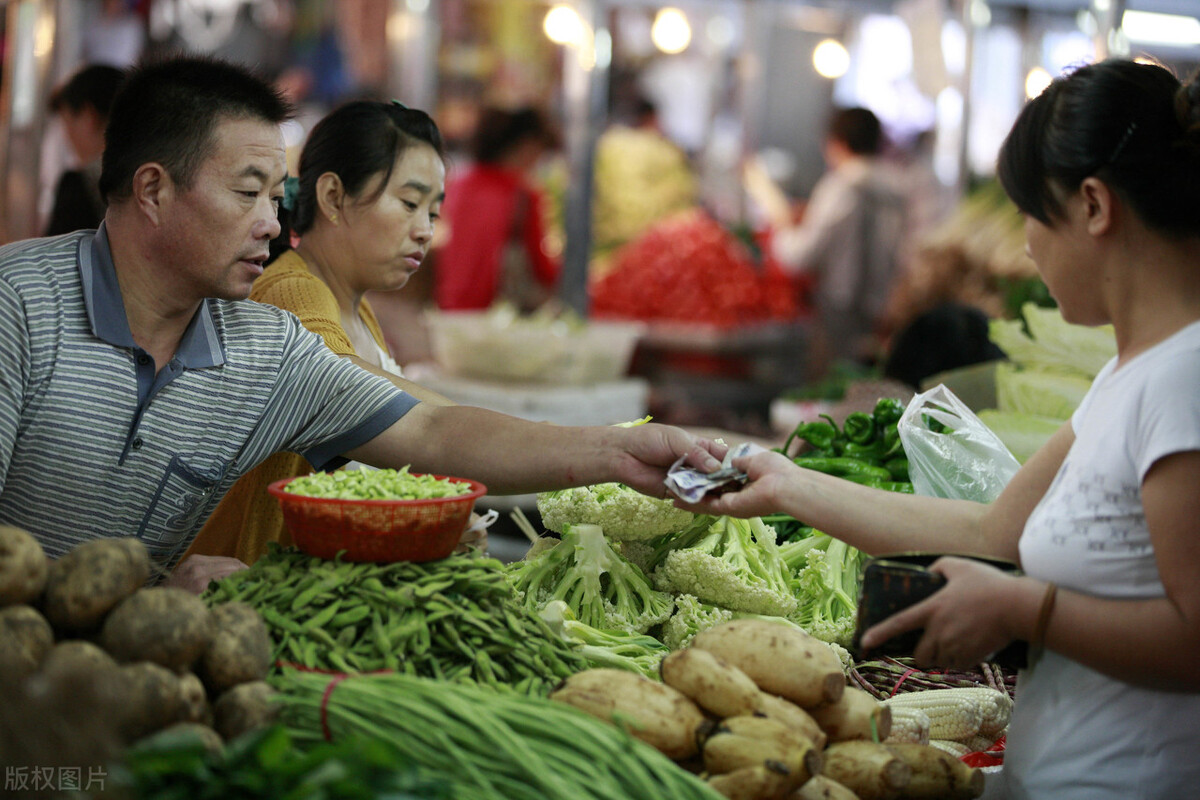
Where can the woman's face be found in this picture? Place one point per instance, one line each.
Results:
(391, 233)
(1065, 260)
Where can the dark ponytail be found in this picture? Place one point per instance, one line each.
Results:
(1131, 124)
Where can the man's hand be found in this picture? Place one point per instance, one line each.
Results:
(195, 572)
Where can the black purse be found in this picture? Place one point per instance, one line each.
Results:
(894, 582)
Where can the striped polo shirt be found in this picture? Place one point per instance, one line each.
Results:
(94, 443)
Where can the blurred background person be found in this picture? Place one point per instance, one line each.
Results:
(496, 217)
(849, 238)
(82, 105)
(369, 191)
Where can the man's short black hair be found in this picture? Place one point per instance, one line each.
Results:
(859, 129)
(166, 111)
(94, 86)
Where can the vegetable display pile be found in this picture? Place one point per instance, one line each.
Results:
(456, 618)
(375, 484)
(493, 744)
(763, 711)
(179, 765)
(689, 269)
(146, 659)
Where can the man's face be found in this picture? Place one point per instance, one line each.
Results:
(216, 231)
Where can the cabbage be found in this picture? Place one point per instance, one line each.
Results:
(1053, 343)
(1040, 392)
(1022, 434)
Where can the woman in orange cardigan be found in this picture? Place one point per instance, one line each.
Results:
(369, 192)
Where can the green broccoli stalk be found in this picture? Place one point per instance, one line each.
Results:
(635, 652)
(602, 588)
(733, 563)
(827, 576)
(625, 514)
(692, 616)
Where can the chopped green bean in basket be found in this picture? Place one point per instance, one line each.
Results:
(376, 484)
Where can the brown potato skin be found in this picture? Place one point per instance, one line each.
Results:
(711, 682)
(938, 775)
(25, 639)
(243, 708)
(779, 658)
(851, 716)
(868, 769)
(23, 566)
(240, 649)
(163, 624)
(87, 582)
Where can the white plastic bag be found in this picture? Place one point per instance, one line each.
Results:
(966, 461)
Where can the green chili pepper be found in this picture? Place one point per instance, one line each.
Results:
(871, 453)
(887, 411)
(898, 467)
(844, 467)
(859, 428)
(818, 434)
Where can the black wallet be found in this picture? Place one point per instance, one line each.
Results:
(894, 582)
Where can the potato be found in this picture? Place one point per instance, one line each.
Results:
(152, 698)
(766, 743)
(87, 582)
(785, 711)
(163, 624)
(25, 638)
(822, 787)
(753, 783)
(869, 769)
(658, 715)
(857, 714)
(937, 775)
(23, 566)
(195, 699)
(243, 708)
(711, 682)
(179, 734)
(781, 659)
(76, 654)
(240, 650)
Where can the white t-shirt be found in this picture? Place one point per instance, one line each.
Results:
(1077, 734)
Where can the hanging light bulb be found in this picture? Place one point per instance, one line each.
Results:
(831, 59)
(671, 32)
(562, 25)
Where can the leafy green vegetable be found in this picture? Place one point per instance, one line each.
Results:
(1021, 433)
(1053, 343)
(827, 572)
(267, 764)
(1040, 392)
(636, 652)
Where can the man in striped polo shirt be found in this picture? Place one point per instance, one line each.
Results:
(137, 384)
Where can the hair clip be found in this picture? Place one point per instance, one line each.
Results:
(291, 188)
(398, 103)
(1121, 144)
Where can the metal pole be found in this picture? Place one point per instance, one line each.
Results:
(585, 102)
(412, 35)
(970, 15)
(1109, 40)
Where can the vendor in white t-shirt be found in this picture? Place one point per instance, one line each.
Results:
(1105, 518)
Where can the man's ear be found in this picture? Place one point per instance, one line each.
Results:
(152, 188)
(1099, 205)
(331, 195)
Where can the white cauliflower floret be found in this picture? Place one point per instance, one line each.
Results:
(625, 514)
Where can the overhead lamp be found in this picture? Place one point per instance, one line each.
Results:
(562, 25)
(671, 32)
(831, 59)
(1036, 82)
(1154, 28)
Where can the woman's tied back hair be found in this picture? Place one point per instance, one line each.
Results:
(1131, 124)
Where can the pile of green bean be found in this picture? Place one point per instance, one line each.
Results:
(376, 484)
(455, 619)
(492, 744)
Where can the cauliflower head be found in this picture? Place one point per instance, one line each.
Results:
(625, 514)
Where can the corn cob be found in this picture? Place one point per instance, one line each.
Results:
(950, 746)
(952, 715)
(980, 743)
(909, 724)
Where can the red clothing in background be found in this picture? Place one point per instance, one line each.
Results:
(486, 207)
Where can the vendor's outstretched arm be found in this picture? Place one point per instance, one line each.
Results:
(515, 456)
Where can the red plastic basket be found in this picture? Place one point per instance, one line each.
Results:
(377, 530)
